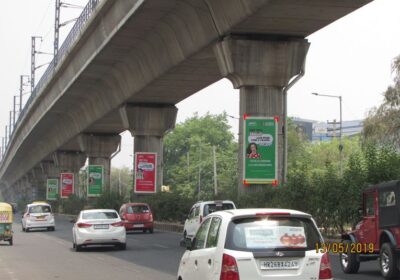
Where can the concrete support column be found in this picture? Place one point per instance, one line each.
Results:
(99, 149)
(148, 123)
(260, 68)
(50, 170)
(70, 161)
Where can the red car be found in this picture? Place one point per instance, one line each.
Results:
(137, 216)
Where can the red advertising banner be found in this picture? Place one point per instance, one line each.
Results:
(67, 184)
(145, 172)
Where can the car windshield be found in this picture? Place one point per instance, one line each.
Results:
(40, 209)
(260, 233)
(137, 209)
(99, 215)
(213, 207)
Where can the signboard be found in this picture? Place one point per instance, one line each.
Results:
(145, 172)
(52, 189)
(273, 237)
(95, 180)
(67, 184)
(260, 150)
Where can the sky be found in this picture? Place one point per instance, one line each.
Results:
(351, 57)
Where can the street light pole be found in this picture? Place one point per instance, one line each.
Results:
(340, 128)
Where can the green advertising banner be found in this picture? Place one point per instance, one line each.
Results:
(260, 146)
(95, 180)
(52, 189)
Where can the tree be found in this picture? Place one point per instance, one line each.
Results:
(382, 125)
(188, 156)
(121, 181)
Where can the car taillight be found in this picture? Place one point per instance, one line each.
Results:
(229, 270)
(325, 270)
(83, 225)
(118, 224)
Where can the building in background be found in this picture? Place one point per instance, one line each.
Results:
(325, 131)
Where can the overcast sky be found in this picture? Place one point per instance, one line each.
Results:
(351, 57)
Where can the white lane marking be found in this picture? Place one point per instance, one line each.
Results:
(160, 246)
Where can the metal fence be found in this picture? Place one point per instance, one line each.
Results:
(62, 52)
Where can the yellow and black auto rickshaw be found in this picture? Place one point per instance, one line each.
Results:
(6, 219)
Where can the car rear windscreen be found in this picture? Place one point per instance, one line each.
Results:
(40, 209)
(138, 209)
(213, 207)
(99, 215)
(270, 233)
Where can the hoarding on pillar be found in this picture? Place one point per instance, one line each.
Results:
(67, 184)
(52, 189)
(145, 172)
(260, 150)
(95, 180)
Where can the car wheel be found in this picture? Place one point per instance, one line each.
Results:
(348, 260)
(23, 229)
(11, 242)
(184, 235)
(387, 262)
(73, 245)
(78, 248)
(122, 246)
(27, 229)
(151, 230)
(53, 228)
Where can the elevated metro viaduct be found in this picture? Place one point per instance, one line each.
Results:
(135, 59)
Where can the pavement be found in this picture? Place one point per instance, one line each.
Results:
(42, 255)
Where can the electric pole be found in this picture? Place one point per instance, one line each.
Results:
(33, 63)
(56, 30)
(215, 172)
(21, 90)
(15, 103)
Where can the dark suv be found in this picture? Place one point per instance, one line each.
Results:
(377, 236)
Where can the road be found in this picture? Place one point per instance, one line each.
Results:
(42, 255)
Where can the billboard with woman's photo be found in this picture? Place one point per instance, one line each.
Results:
(260, 145)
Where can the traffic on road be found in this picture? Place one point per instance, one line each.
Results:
(226, 244)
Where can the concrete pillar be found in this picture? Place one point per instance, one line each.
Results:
(148, 123)
(38, 181)
(260, 68)
(70, 161)
(99, 149)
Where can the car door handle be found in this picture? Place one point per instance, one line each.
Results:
(209, 261)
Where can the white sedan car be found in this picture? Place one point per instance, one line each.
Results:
(255, 244)
(98, 227)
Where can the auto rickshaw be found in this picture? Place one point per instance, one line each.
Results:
(6, 219)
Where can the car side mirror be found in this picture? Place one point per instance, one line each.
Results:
(189, 243)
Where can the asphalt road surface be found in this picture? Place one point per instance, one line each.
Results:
(42, 255)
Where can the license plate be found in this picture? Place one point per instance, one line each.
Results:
(138, 225)
(276, 265)
(40, 218)
(100, 226)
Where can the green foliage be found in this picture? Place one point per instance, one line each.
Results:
(73, 204)
(382, 125)
(169, 206)
(109, 200)
(121, 181)
(188, 157)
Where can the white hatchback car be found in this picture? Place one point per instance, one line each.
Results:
(38, 215)
(98, 227)
(255, 244)
(200, 210)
